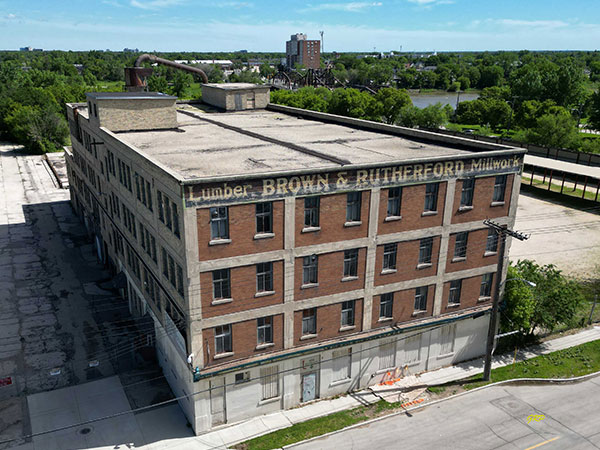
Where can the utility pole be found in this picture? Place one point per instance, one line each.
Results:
(502, 231)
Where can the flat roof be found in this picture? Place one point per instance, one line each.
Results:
(129, 95)
(563, 166)
(213, 144)
(235, 86)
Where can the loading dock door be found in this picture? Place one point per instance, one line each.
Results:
(309, 386)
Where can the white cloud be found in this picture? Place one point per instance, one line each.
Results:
(428, 4)
(348, 7)
(533, 23)
(113, 3)
(155, 4)
(10, 16)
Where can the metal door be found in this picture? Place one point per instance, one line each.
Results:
(238, 102)
(309, 386)
(217, 401)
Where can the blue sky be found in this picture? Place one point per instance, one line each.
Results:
(265, 25)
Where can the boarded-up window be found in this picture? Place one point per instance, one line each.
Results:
(269, 379)
(342, 360)
(412, 349)
(387, 355)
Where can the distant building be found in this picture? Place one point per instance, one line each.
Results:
(299, 50)
(131, 50)
(26, 49)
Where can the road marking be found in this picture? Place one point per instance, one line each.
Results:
(543, 443)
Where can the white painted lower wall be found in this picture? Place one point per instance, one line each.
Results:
(421, 351)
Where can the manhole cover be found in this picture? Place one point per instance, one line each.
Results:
(85, 430)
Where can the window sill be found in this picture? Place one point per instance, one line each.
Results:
(349, 278)
(385, 319)
(263, 346)
(490, 254)
(269, 400)
(465, 208)
(219, 241)
(347, 328)
(459, 259)
(418, 313)
(497, 204)
(310, 229)
(263, 236)
(223, 355)
(483, 299)
(221, 301)
(392, 218)
(453, 305)
(387, 271)
(428, 213)
(309, 285)
(423, 266)
(264, 294)
(338, 382)
(307, 336)
(354, 223)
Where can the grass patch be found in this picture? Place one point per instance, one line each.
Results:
(567, 190)
(571, 362)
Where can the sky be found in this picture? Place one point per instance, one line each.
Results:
(265, 25)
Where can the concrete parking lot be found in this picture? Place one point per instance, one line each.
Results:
(55, 321)
(563, 233)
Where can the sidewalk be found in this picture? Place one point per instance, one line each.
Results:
(258, 426)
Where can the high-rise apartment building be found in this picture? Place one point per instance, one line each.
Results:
(303, 52)
(287, 255)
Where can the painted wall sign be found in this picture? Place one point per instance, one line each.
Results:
(6, 381)
(322, 183)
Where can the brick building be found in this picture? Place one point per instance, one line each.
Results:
(302, 51)
(289, 254)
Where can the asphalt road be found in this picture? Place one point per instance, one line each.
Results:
(494, 418)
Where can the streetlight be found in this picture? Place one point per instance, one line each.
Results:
(488, 355)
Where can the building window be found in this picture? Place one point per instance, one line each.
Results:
(264, 277)
(341, 364)
(219, 223)
(455, 288)
(425, 250)
(387, 355)
(179, 280)
(394, 202)
(311, 212)
(351, 263)
(486, 285)
(264, 330)
(491, 245)
(499, 188)
(353, 206)
(460, 246)
(161, 211)
(310, 265)
(269, 377)
(223, 339)
(175, 212)
(264, 217)
(389, 256)
(421, 299)
(466, 196)
(431, 196)
(348, 313)
(165, 263)
(242, 377)
(309, 321)
(447, 339)
(386, 305)
(221, 284)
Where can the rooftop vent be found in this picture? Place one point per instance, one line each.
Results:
(126, 111)
(236, 96)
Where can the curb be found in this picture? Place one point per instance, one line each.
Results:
(514, 381)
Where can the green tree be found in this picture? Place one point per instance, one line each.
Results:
(157, 84)
(390, 103)
(491, 76)
(594, 119)
(352, 103)
(554, 301)
(181, 83)
(554, 130)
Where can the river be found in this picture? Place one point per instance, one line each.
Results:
(445, 98)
